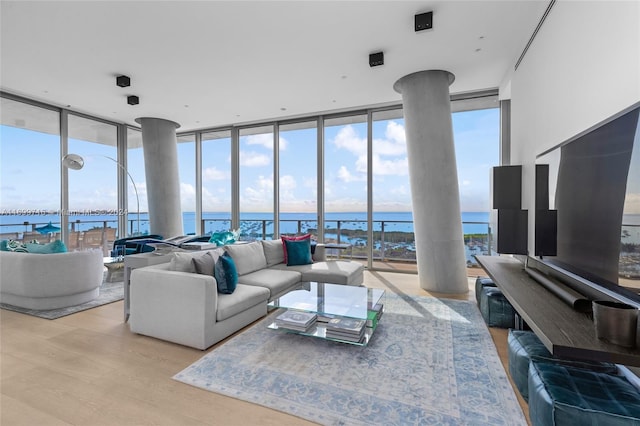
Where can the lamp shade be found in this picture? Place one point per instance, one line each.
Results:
(73, 161)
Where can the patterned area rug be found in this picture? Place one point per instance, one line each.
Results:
(109, 293)
(430, 362)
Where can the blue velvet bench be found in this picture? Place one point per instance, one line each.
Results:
(523, 346)
(482, 282)
(496, 309)
(564, 395)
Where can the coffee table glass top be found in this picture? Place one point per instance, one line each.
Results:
(331, 301)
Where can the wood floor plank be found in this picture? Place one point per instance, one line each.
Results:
(89, 369)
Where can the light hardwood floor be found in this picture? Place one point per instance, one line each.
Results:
(89, 369)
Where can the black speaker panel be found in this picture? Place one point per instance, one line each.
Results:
(542, 187)
(507, 187)
(512, 231)
(546, 233)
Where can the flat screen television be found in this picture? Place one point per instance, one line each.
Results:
(594, 189)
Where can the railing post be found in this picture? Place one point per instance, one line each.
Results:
(338, 230)
(299, 226)
(264, 229)
(382, 240)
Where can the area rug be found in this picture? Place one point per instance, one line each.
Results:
(430, 361)
(109, 293)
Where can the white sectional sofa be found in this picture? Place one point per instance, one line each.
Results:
(50, 281)
(170, 301)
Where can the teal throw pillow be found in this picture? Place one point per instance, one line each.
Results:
(298, 252)
(226, 274)
(56, 246)
(11, 245)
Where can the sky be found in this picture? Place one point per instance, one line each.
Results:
(30, 176)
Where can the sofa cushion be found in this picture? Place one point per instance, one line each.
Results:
(299, 252)
(275, 280)
(226, 274)
(333, 271)
(247, 257)
(181, 261)
(296, 238)
(245, 297)
(273, 251)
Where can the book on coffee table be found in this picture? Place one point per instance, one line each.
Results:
(346, 325)
(294, 320)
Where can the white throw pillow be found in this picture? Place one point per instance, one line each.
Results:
(273, 252)
(247, 257)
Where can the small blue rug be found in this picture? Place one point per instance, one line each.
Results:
(430, 362)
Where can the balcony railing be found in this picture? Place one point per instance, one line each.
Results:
(393, 240)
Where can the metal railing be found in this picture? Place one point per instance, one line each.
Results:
(393, 240)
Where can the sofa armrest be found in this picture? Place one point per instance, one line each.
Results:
(174, 306)
(320, 254)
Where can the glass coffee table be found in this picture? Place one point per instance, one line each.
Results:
(332, 303)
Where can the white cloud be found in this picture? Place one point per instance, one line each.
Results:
(632, 203)
(346, 176)
(397, 167)
(253, 159)
(393, 145)
(266, 140)
(466, 182)
(212, 173)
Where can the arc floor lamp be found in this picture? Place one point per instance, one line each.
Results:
(76, 162)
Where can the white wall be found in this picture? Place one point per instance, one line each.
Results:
(582, 67)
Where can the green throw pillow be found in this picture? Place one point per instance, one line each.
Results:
(56, 246)
(226, 274)
(298, 252)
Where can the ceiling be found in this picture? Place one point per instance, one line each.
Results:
(211, 63)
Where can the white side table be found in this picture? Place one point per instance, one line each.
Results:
(343, 246)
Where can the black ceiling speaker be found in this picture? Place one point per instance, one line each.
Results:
(376, 59)
(123, 81)
(424, 21)
(133, 100)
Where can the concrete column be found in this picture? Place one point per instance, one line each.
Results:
(160, 147)
(434, 181)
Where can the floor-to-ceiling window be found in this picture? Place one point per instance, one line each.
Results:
(393, 233)
(93, 190)
(216, 181)
(256, 182)
(29, 171)
(477, 142)
(298, 182)
(135, 167)
(187, 173)
(345, 182)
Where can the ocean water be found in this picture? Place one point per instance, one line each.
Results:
(473, 222)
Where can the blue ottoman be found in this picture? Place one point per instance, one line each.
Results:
(523, 346)
(482, 282)
(563, 395)
(496, 309)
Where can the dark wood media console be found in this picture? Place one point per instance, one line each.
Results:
(565, 332)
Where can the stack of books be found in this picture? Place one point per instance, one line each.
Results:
(349, 329)
(373, 315)
(294, 320)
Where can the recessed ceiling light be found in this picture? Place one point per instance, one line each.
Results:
(283, 109)
(343, 77)
(480, 38)
(478, 49)
(186, 106)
